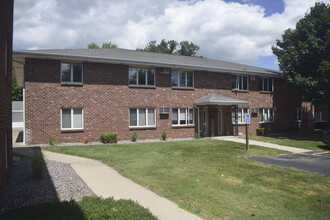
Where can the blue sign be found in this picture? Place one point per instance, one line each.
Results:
(247, 118)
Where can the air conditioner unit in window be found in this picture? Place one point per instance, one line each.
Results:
(255, 78)
(164, 110)
(164, 70)
(255, 110)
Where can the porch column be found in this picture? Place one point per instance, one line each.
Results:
(236, 120)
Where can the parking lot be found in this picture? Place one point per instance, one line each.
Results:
(313, 161)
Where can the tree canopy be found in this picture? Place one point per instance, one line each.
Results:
(185, 48)
(304, 55)
(104, 45)
(16, 91)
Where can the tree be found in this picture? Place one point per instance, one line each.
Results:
(104, 45)
(171, 47)
(16, 91)
(304, 56)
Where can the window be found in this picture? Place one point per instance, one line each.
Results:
(266, 84)
(6, 60)
(297, 114)
(142, 117)
(71, 72)
(182, 116)
(71, 118)
(6, 149)
(266, 115)
(239, 82)
(182, 78)
(141, 76)
(319, 116)
(240, 115)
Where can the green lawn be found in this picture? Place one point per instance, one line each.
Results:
(310, 140)
(213, 179)
(87, 208)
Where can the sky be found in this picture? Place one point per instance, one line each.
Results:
(240, 31)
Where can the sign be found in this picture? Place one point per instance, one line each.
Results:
(247, 118)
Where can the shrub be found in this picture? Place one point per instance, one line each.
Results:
(260, 131)
(134, 136)
(37, 166)
(86, 141)
(108, 137)
(197, 136)
(52, 140)
(164, 135)
(321, 125)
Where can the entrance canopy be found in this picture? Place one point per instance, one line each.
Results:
(215, 99)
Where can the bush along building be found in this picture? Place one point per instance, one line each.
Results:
(6, 36)
(77, 94)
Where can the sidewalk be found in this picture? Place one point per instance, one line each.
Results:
(104, 181)
(263, 144)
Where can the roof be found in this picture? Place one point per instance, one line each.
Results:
(215, 99)
(116, 55)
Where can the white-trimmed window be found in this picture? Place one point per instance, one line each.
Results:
(6, 149)
(6, 59)
(319, 116)
(239, 82)
(298, 114)
(142, 117)
(182, 78)
(71, 72)
(182, 116)
(266, 115)
(266, 84)
(141, 76)
(241, 112)
(72, 118)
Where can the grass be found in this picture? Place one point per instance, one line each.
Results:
(213, 179)
(88, 208)
(309, 140)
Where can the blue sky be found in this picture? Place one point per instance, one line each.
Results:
(240, 31)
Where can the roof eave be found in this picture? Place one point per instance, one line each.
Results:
(136, 62)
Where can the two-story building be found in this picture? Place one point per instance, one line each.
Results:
(6, 42)
(79, 93)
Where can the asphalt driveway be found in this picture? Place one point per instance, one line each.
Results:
(313, 161)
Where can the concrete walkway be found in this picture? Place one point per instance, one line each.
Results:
(263, 144)
(104, 181)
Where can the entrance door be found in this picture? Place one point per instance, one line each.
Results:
(219, 122)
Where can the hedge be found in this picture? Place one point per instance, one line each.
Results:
(108, 137)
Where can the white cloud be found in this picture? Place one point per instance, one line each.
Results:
(227, 31)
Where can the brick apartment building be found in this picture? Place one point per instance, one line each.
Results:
(6, 36)
(80, 93)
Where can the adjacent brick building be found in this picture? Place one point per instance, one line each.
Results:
(6, 36)
(78, 94)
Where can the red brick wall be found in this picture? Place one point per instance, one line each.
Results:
(6, 33)
(106, 98)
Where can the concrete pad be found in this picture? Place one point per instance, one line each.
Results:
(106, 182)
(263, 144)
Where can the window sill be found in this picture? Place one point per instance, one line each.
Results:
(183, 126)
(72, 130)
(142, 87)
(266, 92)
(298, 121)
(142, 128)
(240, 91)
(71, 84)
(183, 88)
